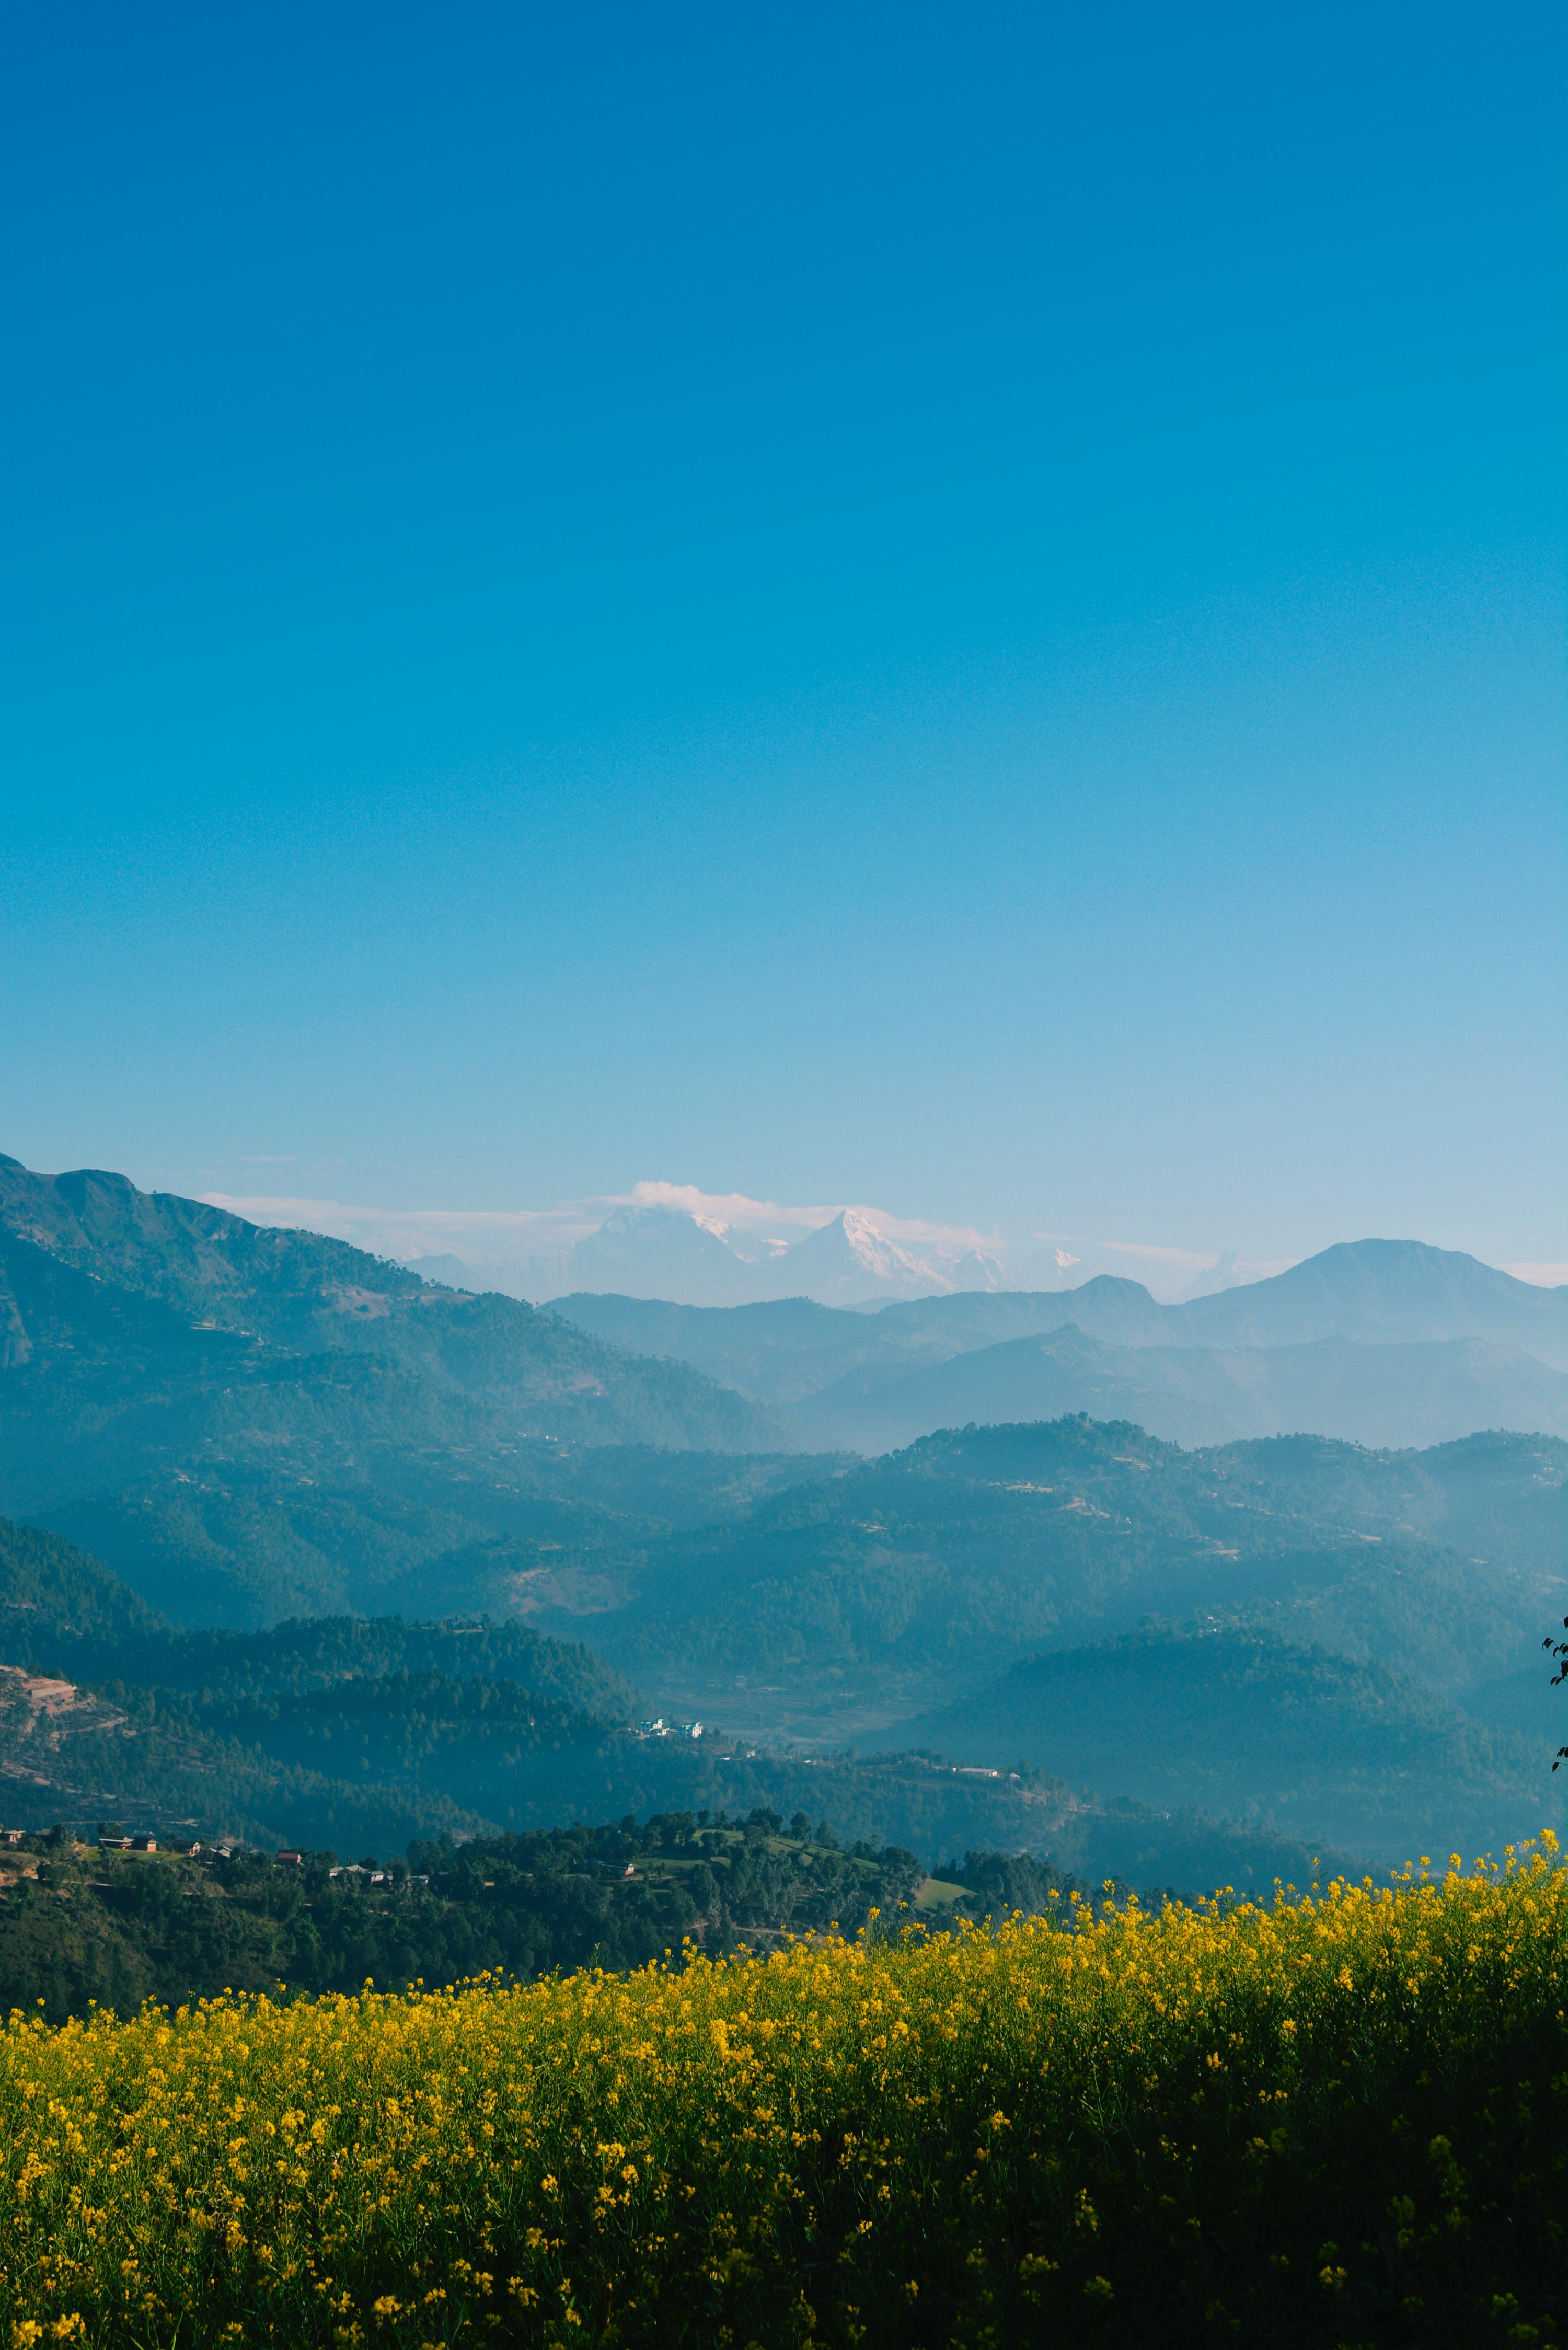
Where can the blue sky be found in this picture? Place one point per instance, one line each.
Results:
(955, 609)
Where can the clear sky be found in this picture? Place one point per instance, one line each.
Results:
(954, 607)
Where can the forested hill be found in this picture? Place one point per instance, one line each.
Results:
(134, 1323)
(1224, 1714)
(887, 1601)
(62, 1612)
(361, 1734)
(60, 1608)
(924, 1574)
(200, 1260)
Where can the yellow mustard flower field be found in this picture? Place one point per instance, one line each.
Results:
(1342, 2119)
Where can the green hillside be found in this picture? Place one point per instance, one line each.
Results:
(364, 1733)
(56, 1604)
(85, 1623)
(79, 1924)
(199, 1260)
(914, 1577)
(785, 1604)
(111, 1752)
(135, 1328)
(1236, 1720)
(246, 1536)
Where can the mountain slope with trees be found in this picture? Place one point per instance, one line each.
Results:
(916, 1577)
(1234, 1718)
(127, 1315)
(360, 1734)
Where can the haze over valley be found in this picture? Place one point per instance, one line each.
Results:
(978, 1531)
(674, 1242)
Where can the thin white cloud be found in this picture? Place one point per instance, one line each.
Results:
(737, 1208)
(495, 1238)
(961, 1237)
(523, 1231)
(1157, 1255)
(726, 1207)
(502, 1234)
(1540, 1276)
(345, 1221)
(1187, 1260)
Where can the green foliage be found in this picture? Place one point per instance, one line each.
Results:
(1002, 1885)
(1320, 1745)
(1315, 2123)
(921, 1573)
(425, 1734)
(336, 1654)
(55, 1601)
(116, 1929)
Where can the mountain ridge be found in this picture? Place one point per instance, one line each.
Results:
(1407, 1394)
(827, 1367)
(830, 1604)
(1397, 1292)
(95, 1273)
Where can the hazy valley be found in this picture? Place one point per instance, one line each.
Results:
(1050, 1537)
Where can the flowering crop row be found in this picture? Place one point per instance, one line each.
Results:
(1342, 2116)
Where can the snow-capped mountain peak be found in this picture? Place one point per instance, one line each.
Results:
(648, 1250)
(658, 1251)
(848, 1262)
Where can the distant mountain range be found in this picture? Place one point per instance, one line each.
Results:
(136, 1327)
(1383, 1342)
(138, 1331)
(1387, 1292)
(651, 1250)
(658, 1251)
(1416, 1394)
(249, 1425)
(661, 1253)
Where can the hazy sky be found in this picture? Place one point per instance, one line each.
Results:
(953, 607)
